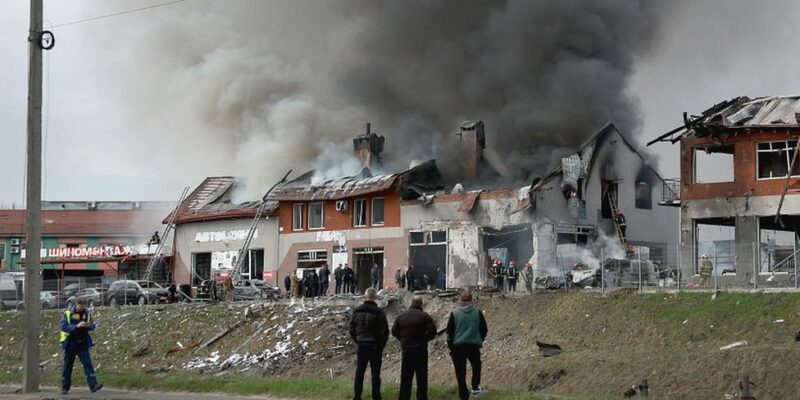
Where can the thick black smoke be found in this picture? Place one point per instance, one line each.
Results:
(250, 88)
(541, 74)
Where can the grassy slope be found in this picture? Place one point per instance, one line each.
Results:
(610, 343)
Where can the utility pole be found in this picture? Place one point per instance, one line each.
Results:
(33, 217)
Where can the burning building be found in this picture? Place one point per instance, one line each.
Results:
(739, 204)
(210, 228)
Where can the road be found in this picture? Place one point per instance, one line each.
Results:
(8, 393)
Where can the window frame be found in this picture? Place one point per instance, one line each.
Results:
(295, 227)
(321, 204)
(356, 202)
(383, 212)
(788, 159)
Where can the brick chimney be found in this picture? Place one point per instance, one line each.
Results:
(472, 143)
(368, 147)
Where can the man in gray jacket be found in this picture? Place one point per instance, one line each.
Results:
(466, 332)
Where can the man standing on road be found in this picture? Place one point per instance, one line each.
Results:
(337, 276)
(76, 323)
(414, 328)
(527, 276)
(466, 332)
(324, 280)
(375, 274)
(369, 329)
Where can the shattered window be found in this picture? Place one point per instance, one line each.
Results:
(297, 217)
(360, 212)
(416, 237)
(608, 198)
(377, 211)
(316, 216)
(644, 196)
(774, 159)
(713, 164)
(716, 240)
(438, 237)
(778, 246)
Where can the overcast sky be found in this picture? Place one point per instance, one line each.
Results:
(705, 52)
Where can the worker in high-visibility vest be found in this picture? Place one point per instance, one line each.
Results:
(76, 323)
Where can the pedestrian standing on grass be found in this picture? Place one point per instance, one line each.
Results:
(76, 323)
(414, 328)
(512, 274)
(466, 332)
(527, 276)
(369, 329)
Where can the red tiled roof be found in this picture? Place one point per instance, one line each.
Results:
(85, 222)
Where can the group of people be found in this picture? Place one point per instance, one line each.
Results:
(311, 284)
(369, 328)
(506, 278)
(412, 280)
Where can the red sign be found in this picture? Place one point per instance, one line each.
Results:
(268, 275)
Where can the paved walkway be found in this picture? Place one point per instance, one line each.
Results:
(8, 393)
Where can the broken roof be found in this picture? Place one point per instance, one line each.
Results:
(211, 200)
(412, 183)
(587, 149)
(739, 113)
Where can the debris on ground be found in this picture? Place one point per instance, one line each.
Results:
(548, 350)
(734, 345)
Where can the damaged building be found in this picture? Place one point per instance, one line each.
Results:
(352, 220)
(738, 195)
(560, 222)
(210, 228)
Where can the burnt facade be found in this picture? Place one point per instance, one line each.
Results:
(739, 202)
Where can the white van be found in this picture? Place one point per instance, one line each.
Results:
(10, 295)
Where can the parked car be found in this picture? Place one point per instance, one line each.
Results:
(135, 292)
(49, 299)
(93, 296)
(247, 290)
(10, 295)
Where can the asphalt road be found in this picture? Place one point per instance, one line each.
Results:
(9, 393)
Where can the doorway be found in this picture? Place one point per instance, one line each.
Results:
(363, 258)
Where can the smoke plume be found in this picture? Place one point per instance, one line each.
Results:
(252, 88)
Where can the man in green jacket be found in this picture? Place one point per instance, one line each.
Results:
(466, 332)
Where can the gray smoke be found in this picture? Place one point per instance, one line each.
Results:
(251, 88)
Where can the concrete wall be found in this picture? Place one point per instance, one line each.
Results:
(465, 247)
(185, 243)
(612, 160)
(393, 240)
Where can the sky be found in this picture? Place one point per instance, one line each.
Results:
(108, 137)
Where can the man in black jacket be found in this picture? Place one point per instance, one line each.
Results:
(466, 332)
(414, 328)
(337, 276)
(369, 329)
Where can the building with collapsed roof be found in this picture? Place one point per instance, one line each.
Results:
(210, 228)
(557, 222)
(351, 220)
(739, 202)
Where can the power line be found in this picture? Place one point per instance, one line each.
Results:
(117, 13)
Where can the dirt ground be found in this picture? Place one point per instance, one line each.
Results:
(610, 342)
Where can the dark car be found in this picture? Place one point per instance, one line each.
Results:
(247, 290)
(93, 296)
(135, 292)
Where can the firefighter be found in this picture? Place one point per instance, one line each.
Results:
(706, 268)
(527, 276)
(497, 271)
(512, 274)
(619, 219)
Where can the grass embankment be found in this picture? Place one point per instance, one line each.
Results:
(610, 343)
(297, 388)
